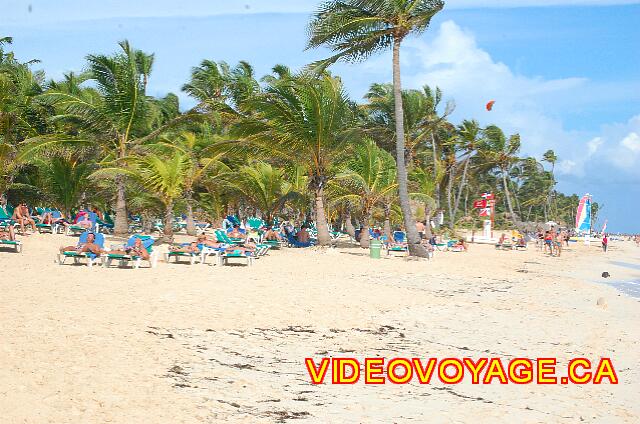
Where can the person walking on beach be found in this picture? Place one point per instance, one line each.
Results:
(605, 243)
(558, 242)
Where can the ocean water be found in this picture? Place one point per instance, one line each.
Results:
(630, 288)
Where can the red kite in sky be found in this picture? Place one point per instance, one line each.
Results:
(490, 105)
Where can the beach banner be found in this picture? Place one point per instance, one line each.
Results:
(604, 227)
(583, 214)
(479, 204)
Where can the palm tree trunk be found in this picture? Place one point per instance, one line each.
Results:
(348, 224)
(415, 248)
(452, 216)
(434, 150)
(364, 234)
(168, 223)
(514, 218)
(121, 225)
(191, 226)
(324, 239)
(456, 204)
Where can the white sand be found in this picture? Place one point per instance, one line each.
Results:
(184, 344)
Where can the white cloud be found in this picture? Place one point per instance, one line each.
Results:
(594, 145)
(631, 142)
(524, 104)
(465, 72)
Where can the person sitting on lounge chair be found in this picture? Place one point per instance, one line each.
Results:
(137, 249)
(236, 233)
(89, 247)
(22, 216)
(7, 234)
(303, 235)
(271, 235)
(460, 246)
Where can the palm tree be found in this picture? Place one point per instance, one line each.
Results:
(550, 157)
(264, 187)
(367, 181)
(202, 158)
(66, 178)
(114, 112)
(502, 152)
(355, 29)
(306, 120)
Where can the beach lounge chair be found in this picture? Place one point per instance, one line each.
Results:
(105, 225)
(182, 257)
(77, 257)
(147, 242)
(292, 242)
(13, 244)
(5, 219)
(247, 257)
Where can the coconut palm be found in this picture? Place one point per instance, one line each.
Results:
(200, 148)
(65, 179)
(264, 187)
(502, 153)
(306, 120)
(114, 112)
(367, 181)
(356, 29)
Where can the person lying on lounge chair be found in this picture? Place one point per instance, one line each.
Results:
(137, 249)
(204, 240)
(7, 234)
(22, 216)
(89, 247)
(190, 248)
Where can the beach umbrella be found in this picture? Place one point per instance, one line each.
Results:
(490, 105)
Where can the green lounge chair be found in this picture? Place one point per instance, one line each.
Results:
(178, 256)
(14, 244)
(147, 242)
(77, 257)
(236, 254)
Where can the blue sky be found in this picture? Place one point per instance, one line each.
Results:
(565, 73)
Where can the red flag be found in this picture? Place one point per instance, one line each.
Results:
(488, 196)
(485, 212)
(479, 204)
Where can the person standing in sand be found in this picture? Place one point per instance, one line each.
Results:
(558, 242)
(420, 227)
(605, 243)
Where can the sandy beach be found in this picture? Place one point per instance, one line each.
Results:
(184, 344)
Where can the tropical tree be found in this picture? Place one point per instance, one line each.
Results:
(264, 187)
(366, 182)
(203, 157)
(502, 153)
(306, 120)
(114, 113)
(356, 29)
(65, 179)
